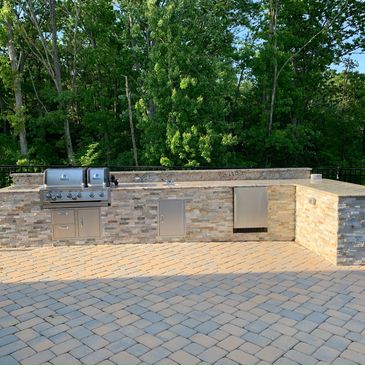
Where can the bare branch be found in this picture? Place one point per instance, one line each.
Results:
(36, 93)
(20, 60)
(77, 15)
(40, 33)
(36, 52)
(326, 25)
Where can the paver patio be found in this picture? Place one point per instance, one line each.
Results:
(223, 303)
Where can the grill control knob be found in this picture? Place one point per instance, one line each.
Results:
(48, 195)
(59, 195)
(74, 197)
(69, 195)
(91, 195)
(54, 197)
(79, 195)
(101, 194)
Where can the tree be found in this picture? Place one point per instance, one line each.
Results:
(188, 78)
(45, 49)
(18, 119)
(210, 83)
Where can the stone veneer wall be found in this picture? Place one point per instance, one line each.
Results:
(27, 179)
(317, 225)
(132, 218)
(22, 222)
(213, 175)
(351, 236)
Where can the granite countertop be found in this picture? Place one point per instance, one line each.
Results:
(202, 184)
(333, 187)
(21, 189)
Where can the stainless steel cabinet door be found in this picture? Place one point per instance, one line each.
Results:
(172, 217)
(250, 207)
(88, 222)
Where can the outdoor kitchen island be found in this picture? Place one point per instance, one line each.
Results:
(327, 217)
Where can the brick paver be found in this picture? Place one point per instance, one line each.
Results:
(179, 303)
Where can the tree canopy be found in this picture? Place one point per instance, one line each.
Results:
(182, 82)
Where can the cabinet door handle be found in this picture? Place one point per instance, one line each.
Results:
(161, 218)
(82, 222)
(64, 227)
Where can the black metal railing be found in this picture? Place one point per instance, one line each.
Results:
(6, 170)
(355, 175)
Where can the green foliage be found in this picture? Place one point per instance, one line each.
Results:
(186, 83)
(91, 155)
(200, 77)
(8, 150)
(22, 162)
(17, 119)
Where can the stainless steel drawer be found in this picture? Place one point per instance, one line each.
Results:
(61, 231)
(63, 216)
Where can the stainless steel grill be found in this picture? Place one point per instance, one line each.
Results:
(75, 187)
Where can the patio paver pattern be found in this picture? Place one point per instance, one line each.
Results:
(179, 303)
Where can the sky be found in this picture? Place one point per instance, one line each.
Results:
(358, 55)
(359, 58)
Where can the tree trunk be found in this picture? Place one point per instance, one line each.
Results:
(273, 96)
(363, 142)
(5, 128)
(19, 110)
(273, 21)
(57, 79)
(151, 109)
(107, 143)
(294, 120)
(128, 94)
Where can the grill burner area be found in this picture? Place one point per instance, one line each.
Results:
(75, 187)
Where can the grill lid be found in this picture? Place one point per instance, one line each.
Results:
(75, 176)
(98, 176)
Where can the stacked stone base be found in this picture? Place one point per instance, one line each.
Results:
(133, 217)
(331, 226)
(327, 223)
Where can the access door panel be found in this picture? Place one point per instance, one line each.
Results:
(172, 217)
(250, 207)
(89, 222)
